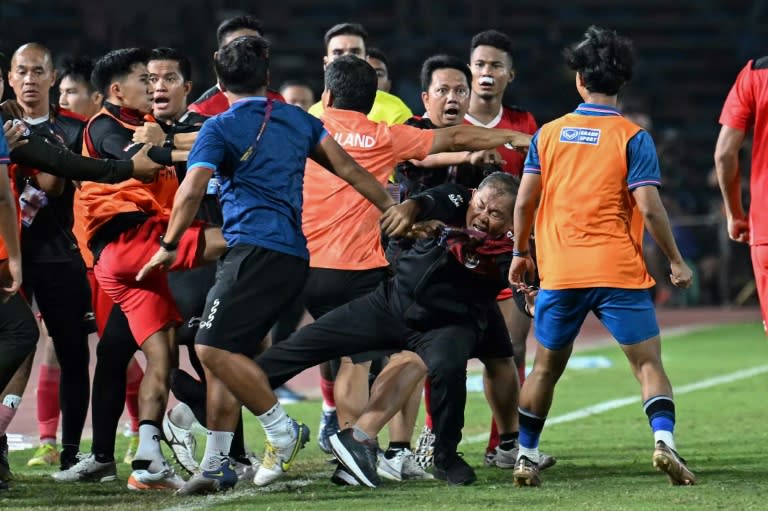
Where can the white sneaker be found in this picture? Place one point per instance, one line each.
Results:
(246, 467)
(166, 479)
(401, 466)
(183, 444)
(508, 458)
(87, 469)
(277, 460)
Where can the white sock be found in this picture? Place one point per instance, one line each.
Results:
(149, 446)
(278, 426)
(182, 416)
(531, 454)
(665, 436)
(216, 449)
(328, 408)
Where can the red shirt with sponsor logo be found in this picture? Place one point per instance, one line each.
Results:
(509, 119)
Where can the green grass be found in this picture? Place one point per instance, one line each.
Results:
(603, 460)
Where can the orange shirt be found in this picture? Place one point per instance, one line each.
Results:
(589, 230)
(97, 203)
(341, 226)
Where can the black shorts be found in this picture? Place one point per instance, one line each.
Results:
(253, 285)
(327, 289)
(190, 289)
(18, 336)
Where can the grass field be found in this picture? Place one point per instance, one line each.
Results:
(604, 459)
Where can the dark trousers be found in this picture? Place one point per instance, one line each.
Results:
(63, 296)
(373, 323)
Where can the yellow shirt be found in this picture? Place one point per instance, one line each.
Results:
(386, 108)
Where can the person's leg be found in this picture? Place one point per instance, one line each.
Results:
(356, 447)
(64, 299)
(445, 351)
(47, 403)
(760, 267)
(518, 325)
(18, 334)
(631, 318)
(351, 391)
(559, 316)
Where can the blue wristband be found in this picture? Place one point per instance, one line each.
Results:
(517, 253)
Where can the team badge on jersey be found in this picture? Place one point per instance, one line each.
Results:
(589, 136)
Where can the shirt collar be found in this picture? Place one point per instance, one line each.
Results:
(594, 109)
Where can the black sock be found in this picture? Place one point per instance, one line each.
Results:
(394, 448)
(104, 458)
(508, 441)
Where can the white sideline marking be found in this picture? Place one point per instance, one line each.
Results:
(251, 491)
(613, 404)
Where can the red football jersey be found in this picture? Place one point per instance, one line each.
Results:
(214, 102)
(747, 108)
(509, 119)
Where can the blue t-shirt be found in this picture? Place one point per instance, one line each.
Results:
(5, 158)
(260, 187)
(642, 162)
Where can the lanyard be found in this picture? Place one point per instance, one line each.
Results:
(267, 114)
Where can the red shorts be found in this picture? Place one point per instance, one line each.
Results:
(148, 305)
(100, 302)
(505, 294)
(760, 266)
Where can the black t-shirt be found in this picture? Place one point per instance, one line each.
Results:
(49, 238)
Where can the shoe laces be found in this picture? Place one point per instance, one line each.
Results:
(84, 460)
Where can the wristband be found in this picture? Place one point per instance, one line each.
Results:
(170, 247)
(520, 253)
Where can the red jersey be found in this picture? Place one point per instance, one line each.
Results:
(214, 102)
(509, 119)
(745, 108)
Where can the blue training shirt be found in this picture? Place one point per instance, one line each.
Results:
(642, 161)
(261, 189)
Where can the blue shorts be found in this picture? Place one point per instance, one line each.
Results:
(628, 314)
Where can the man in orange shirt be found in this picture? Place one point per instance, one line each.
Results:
(594, 177)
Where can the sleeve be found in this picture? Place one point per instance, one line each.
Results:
(4, 153)
(739, 107)
(39, 154)
(447, 203)
(317, 130)
(642, 162)
(209, 149)
(532, 164)
(532, 126)
(114, 141)
(409, 143)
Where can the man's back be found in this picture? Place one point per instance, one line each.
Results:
(588, 230)
(258, 149)
(341, 226)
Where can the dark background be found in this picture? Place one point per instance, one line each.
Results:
(689, 53)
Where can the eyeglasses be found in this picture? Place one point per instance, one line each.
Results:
(460, 92)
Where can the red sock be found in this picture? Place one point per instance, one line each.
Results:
(326, 389)
(133, 376)
(48, 401)
(427, 405)
(493, 438)
(521, 373)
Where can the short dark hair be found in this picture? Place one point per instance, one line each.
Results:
(352, 82)
(497, 40)
(242, 65)
(345, 29)
(230, 25)
(164, 53)
(501, 182)
(377, 54)
(436, 62)
(78, 69)
(604, 59)
(115, 65)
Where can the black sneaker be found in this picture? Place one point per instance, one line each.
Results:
(3, 486)
(452, 469)
(359, 458)
(5, 466)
